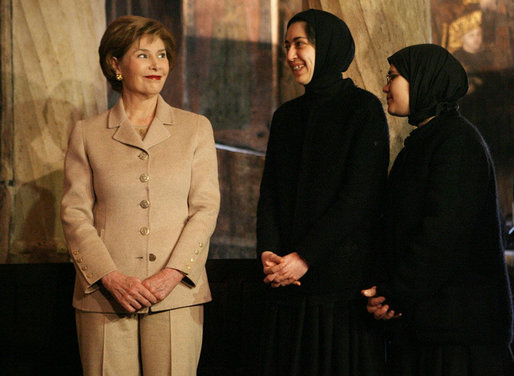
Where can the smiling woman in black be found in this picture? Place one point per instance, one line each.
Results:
(445, 268)
(318, 212)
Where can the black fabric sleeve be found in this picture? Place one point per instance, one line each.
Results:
(268, 237)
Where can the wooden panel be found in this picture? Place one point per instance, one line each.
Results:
(6, 127)
(56, 81)
(229, 70)
(379, 29)
(240, 175)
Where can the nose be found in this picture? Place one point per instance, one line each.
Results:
(291, 53)
(153, 62)
(385, 89)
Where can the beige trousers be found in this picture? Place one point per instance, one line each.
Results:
(153, 344)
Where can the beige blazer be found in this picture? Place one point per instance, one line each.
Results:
(138, 206)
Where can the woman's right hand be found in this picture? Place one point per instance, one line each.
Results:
(283, 271)
(128, 291)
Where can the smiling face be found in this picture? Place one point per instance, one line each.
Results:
(144, 67)
(397, 90)
(301, 54)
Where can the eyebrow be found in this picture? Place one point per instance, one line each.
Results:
(295, 39)
(147, 50)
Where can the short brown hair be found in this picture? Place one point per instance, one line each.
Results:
(119, 36)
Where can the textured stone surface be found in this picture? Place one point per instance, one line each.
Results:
(379, 29)
(55, 80)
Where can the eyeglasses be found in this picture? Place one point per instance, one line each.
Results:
(390, 77)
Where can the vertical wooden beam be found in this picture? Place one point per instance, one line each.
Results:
(6, 126)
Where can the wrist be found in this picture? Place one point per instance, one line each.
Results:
(174, 274)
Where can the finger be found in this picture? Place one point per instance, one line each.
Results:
(267, 269)
(142, 300)
(287, 281)
(270, 278)
(370, 292)
(373, 308)
(125, 303)
(134, 303)
(148, 293)
(277, 268)
(381, 312)
(127, 307)
(275, 258)
(376, 301)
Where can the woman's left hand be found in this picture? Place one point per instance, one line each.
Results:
(376, 306)
(163, 283)
(290, 269)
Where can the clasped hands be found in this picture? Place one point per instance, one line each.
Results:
(283, 270)
(134, 294)
(376, 306)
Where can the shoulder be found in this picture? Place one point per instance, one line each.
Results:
(456, 128)
(455, 137)
(362, 100)
(188, 118)
(95, 121)
(291, 106)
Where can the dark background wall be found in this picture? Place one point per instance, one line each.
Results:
(37, 328)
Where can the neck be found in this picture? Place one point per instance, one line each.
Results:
(140, 110)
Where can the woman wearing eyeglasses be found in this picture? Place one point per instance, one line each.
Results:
(445, 288)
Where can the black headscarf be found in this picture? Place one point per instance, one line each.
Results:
(335, 48)
(436, 80)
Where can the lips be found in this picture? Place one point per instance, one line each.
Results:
(151, 77)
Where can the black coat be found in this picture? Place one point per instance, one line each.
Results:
(322, 186)
(444, 256)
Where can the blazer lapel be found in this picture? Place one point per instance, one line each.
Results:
(158, 131)
(125, 132)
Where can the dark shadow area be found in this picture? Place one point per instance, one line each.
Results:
(38, 322)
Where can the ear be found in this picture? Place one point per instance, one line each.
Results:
(115, 65)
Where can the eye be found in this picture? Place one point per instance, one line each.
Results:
(162, 55)
(299, 43)
(390, 77)
(142, 56)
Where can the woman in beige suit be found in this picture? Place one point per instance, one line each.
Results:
(140, 203)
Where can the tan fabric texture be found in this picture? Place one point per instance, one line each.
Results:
(138, 206)
(168, 343)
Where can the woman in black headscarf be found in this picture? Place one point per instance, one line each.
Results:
(319, 208)
(446, 283)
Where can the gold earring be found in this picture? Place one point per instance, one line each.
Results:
(119, 77)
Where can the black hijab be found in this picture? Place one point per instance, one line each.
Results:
(436, 80)
(335, 48)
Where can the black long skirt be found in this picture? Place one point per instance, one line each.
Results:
(321, 335)
(409, 357)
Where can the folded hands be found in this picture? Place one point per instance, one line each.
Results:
(283, 270)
